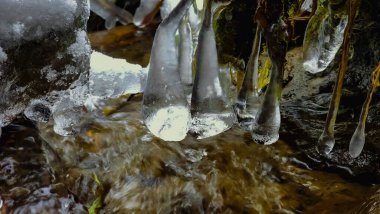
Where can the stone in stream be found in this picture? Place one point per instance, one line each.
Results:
(43, 52)
(165, 110)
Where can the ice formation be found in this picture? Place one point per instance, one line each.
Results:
(55, 32)
(167, 6)
(110, 13)
(266, 126)
(326, 141)
(146, 11)
(110, 77)
(358, 138)
(185, 55)
(248, 101)
(210, 110)
(323, 38)
(164, 98)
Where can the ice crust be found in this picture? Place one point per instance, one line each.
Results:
(50, 42)
(27, 20)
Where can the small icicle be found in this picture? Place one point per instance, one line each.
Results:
(110, 13)
(146, 12)
(210, 110)
(185, 56)
(358, 139)
(248, 102)
(165, 109)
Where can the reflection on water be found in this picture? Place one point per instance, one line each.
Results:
(226, 173)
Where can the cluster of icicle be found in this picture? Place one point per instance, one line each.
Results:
(167, 111)
(144, 14)
(328, 30)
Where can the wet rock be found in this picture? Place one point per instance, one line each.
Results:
(46, 54)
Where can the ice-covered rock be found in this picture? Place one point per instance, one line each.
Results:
(44, 51)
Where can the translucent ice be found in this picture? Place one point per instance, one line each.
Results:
(357, 142)
(146, 11)
(111, 77)
(169, 123)
(210, 110)
(167, 6)
(323, 38)
(185, 55)
(110, 13)
(165, 109)
(248, 101)
(266, 126)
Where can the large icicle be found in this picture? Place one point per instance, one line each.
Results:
(324, 36)
(248, 102)
(211, 112)
(265, 129)
(185, 55)
(165, 109)
(110, 13)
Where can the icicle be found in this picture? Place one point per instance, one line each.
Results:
(165, 109)
(185, 56)
(211, 112)
(110, 13)
(326, 141)
(166, 7)
(146, 11)
(358, 138)
(324, 37)
(248, 102)
(265, 129)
